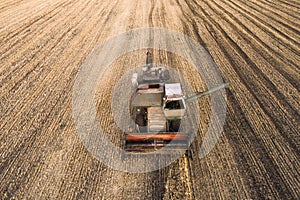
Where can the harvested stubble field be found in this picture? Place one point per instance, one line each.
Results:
(254, 43)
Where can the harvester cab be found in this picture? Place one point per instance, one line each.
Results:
(157, 108)
(173, 102)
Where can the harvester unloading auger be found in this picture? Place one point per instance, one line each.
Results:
(157, 108)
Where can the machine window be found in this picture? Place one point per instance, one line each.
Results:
(173, 105)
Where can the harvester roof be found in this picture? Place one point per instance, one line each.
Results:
(173, 90)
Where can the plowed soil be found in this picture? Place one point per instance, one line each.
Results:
(254, 43)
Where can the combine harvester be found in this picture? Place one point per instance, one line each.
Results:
(157, 108)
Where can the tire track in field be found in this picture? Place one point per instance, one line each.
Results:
(245, 147)
(54, 72)
(248, 108)
(275, 62)
(239, 50)
(150, 16)
(57, 143)
(26, 30)
(26, 171)
(72, 76)
(286, 10)
(32, 52)
(163, 14)
(31, 139)
(279, 47)
(17, 59)
(7, 3)
(39, 92)
(21, 12)
(82, 193)
(131, 19)
(290, 106)
(4, 5)
(273, 32)
(35, 126)
(264, 71)
(159, 15)
(291, 113)
(275, 163)
(291, 3)
(279, 26)
(283, 20)
(37, 60)
(37, 75)
(227, 55)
